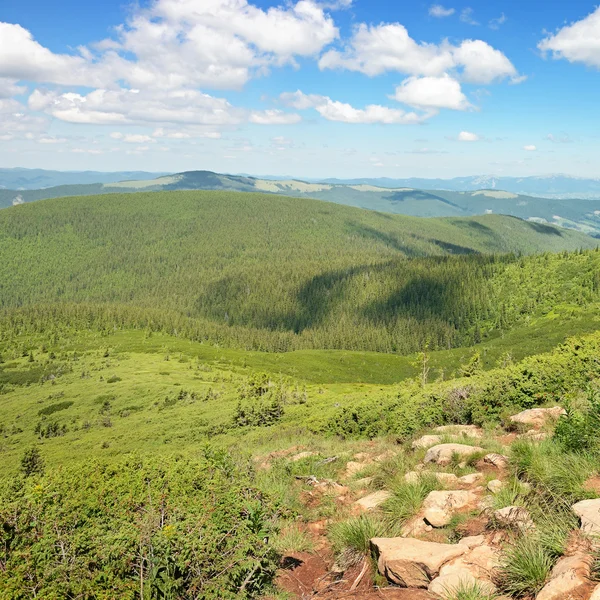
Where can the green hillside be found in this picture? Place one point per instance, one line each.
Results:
(269, 272)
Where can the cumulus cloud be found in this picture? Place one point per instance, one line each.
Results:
(333, 110)
(376, 49)
(467, 136)
(17, 122)
(273, 117)
(9, 87)
(132, 138)
(432, 92)
(438, 11)
(530, 148)
(577, 42)
(466, 16)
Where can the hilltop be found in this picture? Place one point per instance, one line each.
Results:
(579, 214)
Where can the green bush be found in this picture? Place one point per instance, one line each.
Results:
(164, 528)
(54, 408)
(579, 431)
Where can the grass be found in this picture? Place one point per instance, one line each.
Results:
(469, 591)
(350, 539)
(407, 498)
(292, 539)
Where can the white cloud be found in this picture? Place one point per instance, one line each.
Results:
(432, 92)
(17, 122)
(333, 110)
(497, 22)
(577, 42)
(530, 148)
(563, 139)
(132, 138)
(467, 136)
(48, 139)
(273, 117)
(466, 16)
(437, 10)
(9, 88)
(374, 50)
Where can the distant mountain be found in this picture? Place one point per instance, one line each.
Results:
(551, 186)
(33, 179)
(580, 214)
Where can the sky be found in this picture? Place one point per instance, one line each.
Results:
(308, 88)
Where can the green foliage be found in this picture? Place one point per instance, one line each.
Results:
(579, 431)
(169, 528)
(32, 462)
(407, 498)
(350, 539)
(50, 430)
(54, 408)
(261, 402)
(469, 591)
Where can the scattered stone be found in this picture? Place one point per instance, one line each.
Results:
(408, 562)
(426, 441)
(442, 454)
(439, 507)
(589, 513)
(372, 501)
(460, 430)
(538, 417)
(496, 460)
(353, 467)
(446, 584)
(470, 479)
(514, 516)
(443, 478)
(495, 486)
(473, 541)
(569, 574)
(415, 527)
(303, 455)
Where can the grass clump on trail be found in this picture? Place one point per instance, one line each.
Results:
(350, 540)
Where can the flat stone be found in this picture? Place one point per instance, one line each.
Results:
(415, 527)
(408, 562)
(496, 460)
(538, 417)
(472, 541)
(440, 506)
(589, 513)
(481, 561)
(494, 486)
(460, 430)
(569, 574)
(470, 479)
(303, 455)
(444, 478)
(442, 454)
(353, 467)
(426, 441)
(514, 516)
(446, 584)
(372, 501)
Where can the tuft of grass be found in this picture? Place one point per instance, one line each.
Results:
(512, 493)
(350, 539)
(407, 498)
(525, 567)
(292, 539)
(469, 591)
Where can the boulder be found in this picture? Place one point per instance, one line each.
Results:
(536, 418)
(372, 501)
(496, 460)
(589, 513)
(570, 574)
(445, 585)
(408, 562)
(470, 479)
(439, 507)
(460, 430)
(495, 486)
(514, 516)
(442, 454)
(426, 441)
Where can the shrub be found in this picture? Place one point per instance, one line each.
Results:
(32, 462)
(163, 528)
(579, 431)
(54, 408)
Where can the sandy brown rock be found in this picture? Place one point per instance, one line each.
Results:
(589, 513)
(371, 501)
(536, 418)
(460, 430)
(470, 479)
(442, 454)
(440, 506)
(303, 455)
(496, 460)
(449, 479)
(514, 516)
(570, 574)
(426, 441)
(494, 486)
(353, 467)
(408, 562)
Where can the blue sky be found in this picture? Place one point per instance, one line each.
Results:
(331, 88)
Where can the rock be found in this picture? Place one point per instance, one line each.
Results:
(372, 500)
(569, 574)
(362, 457)
(496, 460)
(442, 454)
(444, 478)
(514, 516)
(596, 593)
(353, 467)
(447, 584)
(408, 562)
(589, 513)
(460, 430)
(364, 482)
(439, 507)
(415, 527)
(472, 541)
(470, 479)
(426, 441)
(495, 486)
(303, 455)
(538, 417)
(385, 456)
(534, 435)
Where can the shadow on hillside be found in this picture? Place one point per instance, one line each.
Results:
(545, 229)
(389, 240)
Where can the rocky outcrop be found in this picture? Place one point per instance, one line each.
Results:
(439, 507)
(442, 454)
(426, 441)
(570, 574)
(408, 562)
(589, 513)
(536, 418)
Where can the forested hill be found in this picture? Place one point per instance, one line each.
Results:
(272, 272)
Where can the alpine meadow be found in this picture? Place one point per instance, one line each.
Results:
(299, 300)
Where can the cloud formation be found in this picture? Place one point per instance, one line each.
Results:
(438, 11)
(432, 92)
(467, 136)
